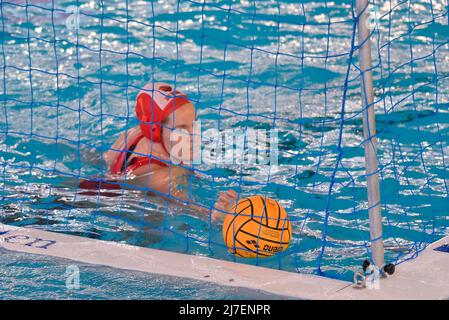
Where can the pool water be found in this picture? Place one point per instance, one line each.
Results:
(68, 86)
(28, 276)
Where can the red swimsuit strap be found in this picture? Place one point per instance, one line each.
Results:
(137, 162)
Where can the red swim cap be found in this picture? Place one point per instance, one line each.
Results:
(155, 103)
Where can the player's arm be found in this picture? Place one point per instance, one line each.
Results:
(119, 144)
(167, 182)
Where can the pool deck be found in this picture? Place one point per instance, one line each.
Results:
(422, 278)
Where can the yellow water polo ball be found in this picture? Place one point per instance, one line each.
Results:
(257, 227)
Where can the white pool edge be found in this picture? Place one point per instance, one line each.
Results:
(409, 282)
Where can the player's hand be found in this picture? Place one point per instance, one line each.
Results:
(226, 201)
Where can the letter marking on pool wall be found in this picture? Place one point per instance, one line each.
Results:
(45, 245)
(37, 243)
(17, 237)
(443, 248)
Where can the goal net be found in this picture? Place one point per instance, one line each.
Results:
(285, 70)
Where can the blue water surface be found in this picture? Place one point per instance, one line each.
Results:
(26, 276)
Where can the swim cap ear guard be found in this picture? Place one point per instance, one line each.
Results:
(154, 104)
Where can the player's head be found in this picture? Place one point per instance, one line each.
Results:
(166, 116)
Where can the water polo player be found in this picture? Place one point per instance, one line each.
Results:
(148, 155)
